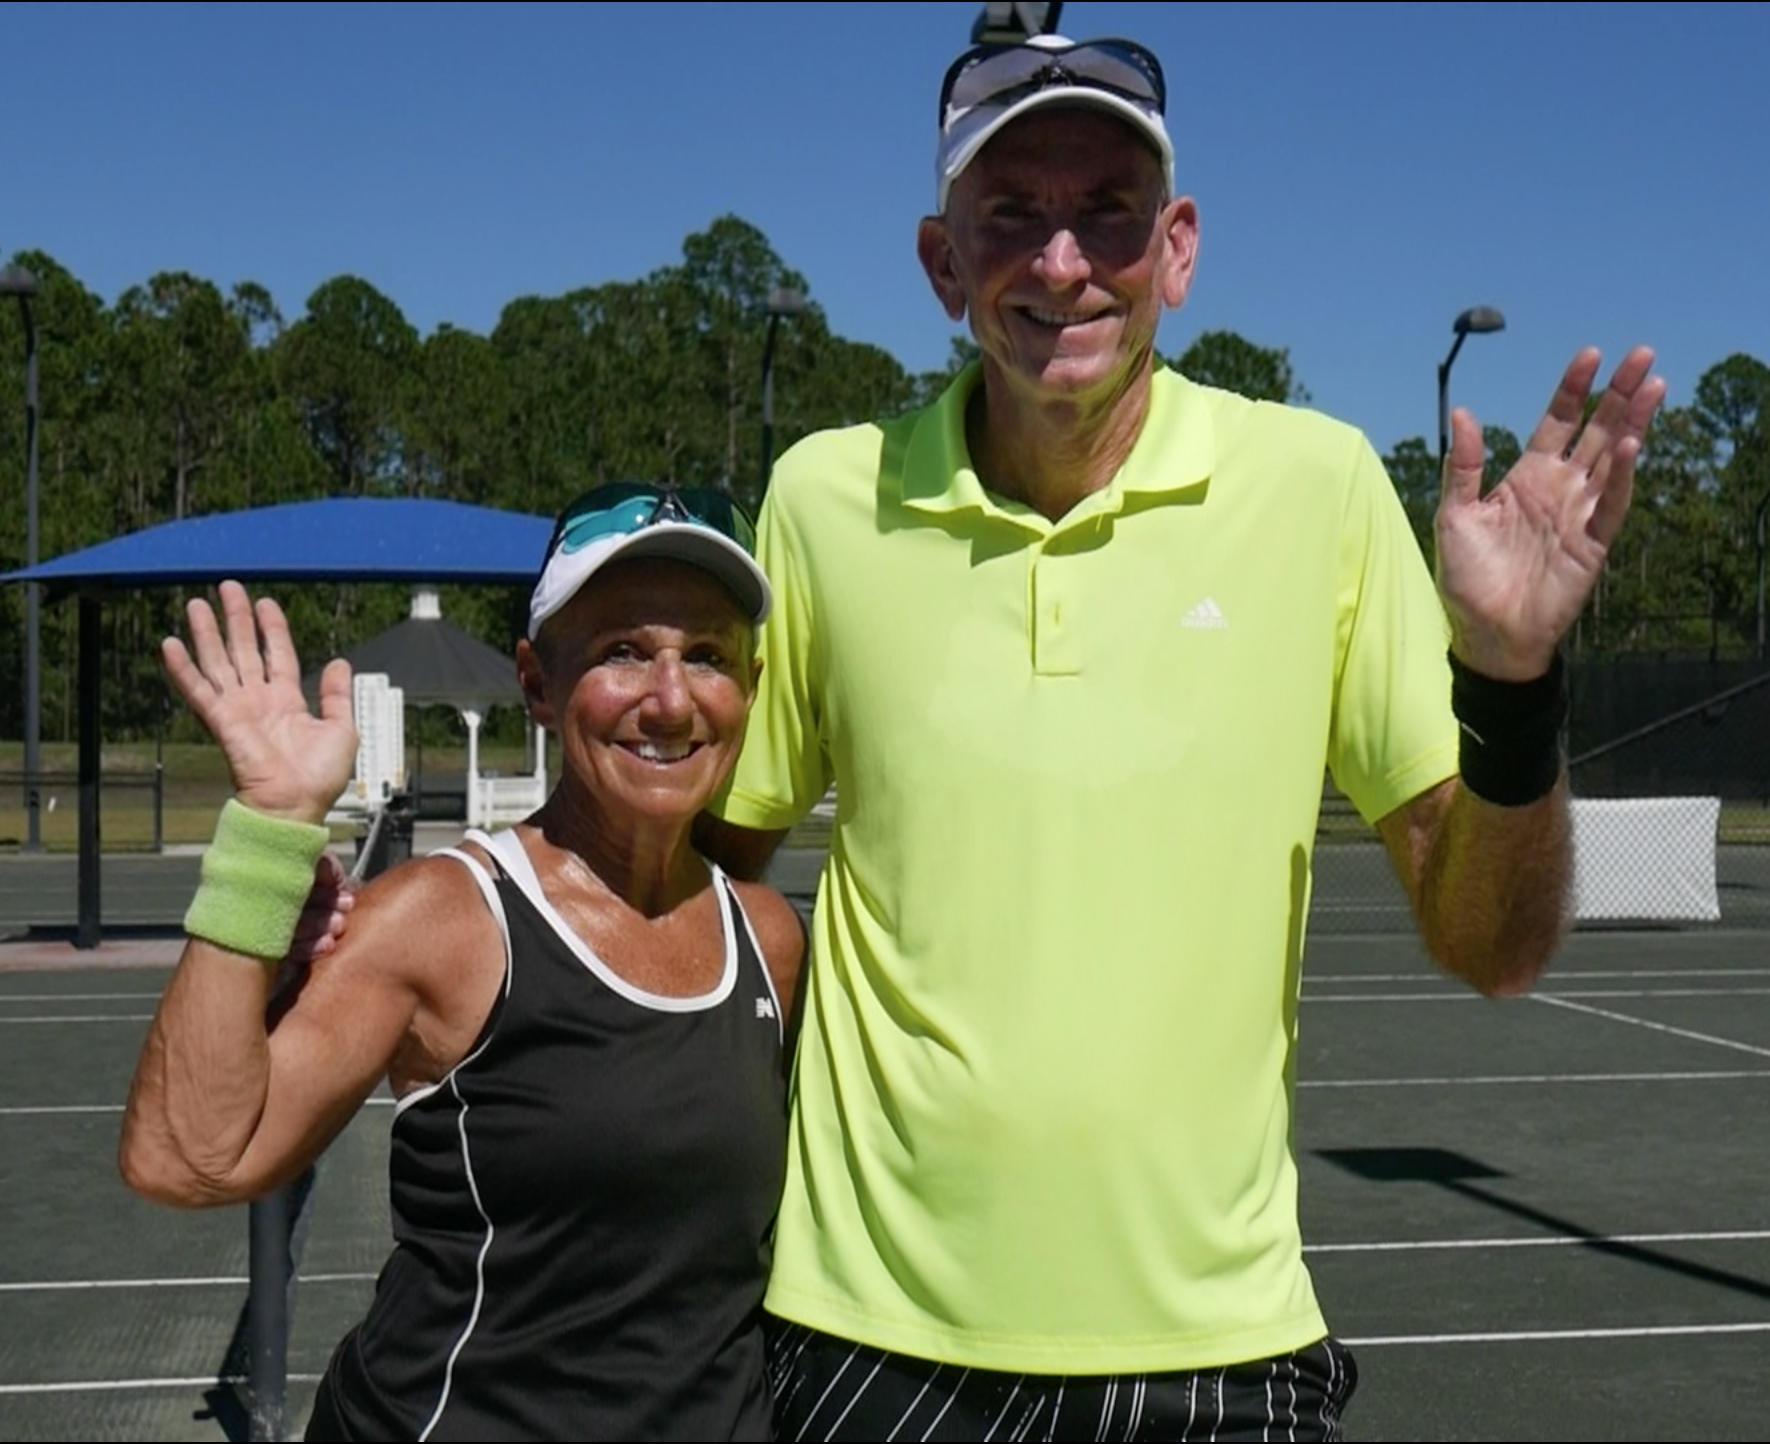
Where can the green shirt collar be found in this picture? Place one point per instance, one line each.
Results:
(1174, 455)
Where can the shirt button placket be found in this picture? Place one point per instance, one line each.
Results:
(1055, 650)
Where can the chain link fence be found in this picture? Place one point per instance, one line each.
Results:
(132, 804)
(1639, 729)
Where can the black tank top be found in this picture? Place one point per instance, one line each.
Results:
(583, 1208)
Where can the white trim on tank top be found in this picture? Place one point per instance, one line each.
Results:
(507, 847)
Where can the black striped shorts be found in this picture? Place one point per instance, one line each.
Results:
(829, 1388)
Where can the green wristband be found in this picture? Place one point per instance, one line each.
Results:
(256, 876)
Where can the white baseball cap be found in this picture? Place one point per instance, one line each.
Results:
(991, 85)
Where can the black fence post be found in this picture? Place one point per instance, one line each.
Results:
(89, 928)
(160, 789)
(279, 1221)
(267, 1308)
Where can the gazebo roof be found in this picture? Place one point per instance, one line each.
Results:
(432, 661)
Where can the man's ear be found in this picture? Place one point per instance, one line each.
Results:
(1180, 255)
(532, 674)
(934, 248)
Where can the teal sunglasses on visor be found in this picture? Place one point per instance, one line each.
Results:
(692, 524)
(622, 508)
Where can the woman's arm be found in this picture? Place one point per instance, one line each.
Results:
(780, 932)
(224, 1107)
(241, 1084)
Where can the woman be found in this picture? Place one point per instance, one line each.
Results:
(581, 1020)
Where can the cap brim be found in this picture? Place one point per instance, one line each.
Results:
(565, 573)
(970, 133)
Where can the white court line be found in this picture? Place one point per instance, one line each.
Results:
(91, 1018)
(76, 997)
(1562, 1002)
(93, 1386)
(1724, 1075)
(1559, 975)
(1428, 1245)
(1451, 995)
(1502, 1079)
(378, 1101)
(1520, 1336)
(45, 1286)
(63, 1108)
(1612, 940)
(1659, 993)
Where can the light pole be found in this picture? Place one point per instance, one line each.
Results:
(1763, 512)
(15, 280)
(782, 302)
(1477, 320)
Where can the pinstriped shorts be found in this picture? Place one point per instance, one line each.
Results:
(828, 1388)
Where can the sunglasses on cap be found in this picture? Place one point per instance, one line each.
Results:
(621, 508)
(692, 524)
(999, 75)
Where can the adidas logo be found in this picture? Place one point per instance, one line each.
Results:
(764, 1008)
(1207, 616)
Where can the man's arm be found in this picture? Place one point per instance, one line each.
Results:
(744, 852)
(1488, 884)
(1487, 858)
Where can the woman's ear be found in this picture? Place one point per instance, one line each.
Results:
(531, 672)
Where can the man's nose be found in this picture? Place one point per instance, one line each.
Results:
(1062, 261)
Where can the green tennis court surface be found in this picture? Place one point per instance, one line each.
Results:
(1542, 1219)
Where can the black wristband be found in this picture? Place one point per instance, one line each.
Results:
(1510, 733)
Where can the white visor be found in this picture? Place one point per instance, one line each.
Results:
(567, 570)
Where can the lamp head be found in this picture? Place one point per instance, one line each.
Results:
(15, 280)
(1479, 320)
(784, 301)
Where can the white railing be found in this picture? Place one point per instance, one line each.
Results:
(495, 801)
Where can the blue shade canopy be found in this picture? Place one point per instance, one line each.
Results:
(338, 539)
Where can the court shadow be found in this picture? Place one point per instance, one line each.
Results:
(1457, 1173)
(223, 1404)
(261, 1333)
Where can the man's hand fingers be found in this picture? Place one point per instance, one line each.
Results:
(1617, 480)
(1555, 433)
(1616, 412)
(1464, 465)
(1643, 406)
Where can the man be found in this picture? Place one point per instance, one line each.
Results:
(1074, 644)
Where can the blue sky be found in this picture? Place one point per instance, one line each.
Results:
(1364, 172)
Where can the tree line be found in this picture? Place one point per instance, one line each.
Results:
(183, 399)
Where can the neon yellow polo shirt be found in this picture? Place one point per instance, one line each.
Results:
(1044, 1092)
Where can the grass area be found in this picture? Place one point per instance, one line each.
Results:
(192, 782)
(1744, 823)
